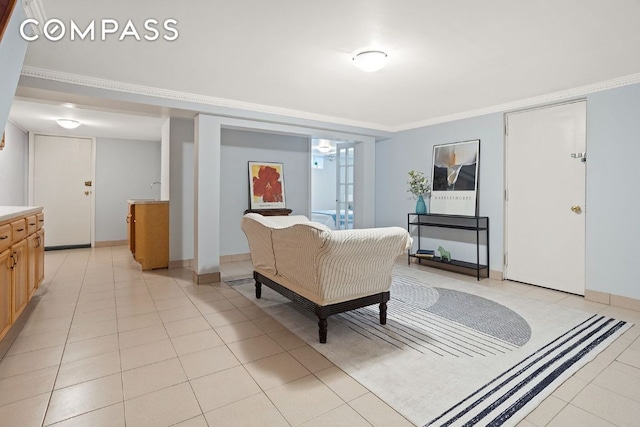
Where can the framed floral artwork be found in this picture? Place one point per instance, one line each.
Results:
(266, 185)
(455, 178)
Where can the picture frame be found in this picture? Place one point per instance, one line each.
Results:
(266, 185)
(455, 177)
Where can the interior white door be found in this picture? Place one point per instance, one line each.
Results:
(545, 208)
(345, 185)
(61, 184)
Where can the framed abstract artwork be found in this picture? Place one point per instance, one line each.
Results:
(266, 185)
(455, 178)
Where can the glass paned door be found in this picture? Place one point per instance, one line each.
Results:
(345, 183)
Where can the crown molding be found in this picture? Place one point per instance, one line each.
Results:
(94, 82)
(35, 10)
(16, 124)
(522, 104)
(550, 98)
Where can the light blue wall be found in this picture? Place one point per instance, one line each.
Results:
(412, 149)
(13, 167)
(613, 191)
(182, 187)
(12, 51)
(237, 149)
(125, 170)
(612, 205)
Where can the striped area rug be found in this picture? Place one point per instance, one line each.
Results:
(441, 321)
(514, 391)
(453, 353)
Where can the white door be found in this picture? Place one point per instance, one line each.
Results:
(62, 175)
(545, 208)
(345, 184)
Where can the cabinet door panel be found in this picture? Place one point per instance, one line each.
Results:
(40, 258)
(5, 292)
(32, 248)
(19, 278)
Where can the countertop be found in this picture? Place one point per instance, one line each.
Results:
(10, 212)
(146, 201)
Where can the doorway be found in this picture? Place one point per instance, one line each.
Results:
(545, 197)
(332, 183)
(61, 180)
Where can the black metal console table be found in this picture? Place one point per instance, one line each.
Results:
(460, 222)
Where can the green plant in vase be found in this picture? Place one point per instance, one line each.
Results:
(419, 188)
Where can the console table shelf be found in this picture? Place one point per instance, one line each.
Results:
(459, 222)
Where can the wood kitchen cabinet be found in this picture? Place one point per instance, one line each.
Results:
(40, 258)
(35, 270)
(5, 292)
(19, 278)
(32, 259)
(21, 261)
(148, 233)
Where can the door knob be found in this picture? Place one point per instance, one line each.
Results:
(86, 193)
(577, 209)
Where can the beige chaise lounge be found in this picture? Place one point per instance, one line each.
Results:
(326, 271)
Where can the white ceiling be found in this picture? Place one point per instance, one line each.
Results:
(446, 57)
(41, 117)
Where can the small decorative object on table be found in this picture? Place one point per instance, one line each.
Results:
(444, 254)
(424, 253)
(419, 187)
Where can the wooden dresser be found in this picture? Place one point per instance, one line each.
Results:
(148, 232)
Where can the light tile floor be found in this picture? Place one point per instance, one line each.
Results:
(105, 344)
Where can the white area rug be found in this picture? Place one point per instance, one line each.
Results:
(453, 353)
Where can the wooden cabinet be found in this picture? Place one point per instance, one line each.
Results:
(32, 260)
(5, 292)
(131, 240)
(35, 269)
(39, 258)
(148, 228)
(19, 277)
(5, 237)
(21, 261)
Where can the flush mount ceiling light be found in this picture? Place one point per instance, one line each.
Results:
(324, 146)
(68, 123)
(371, 60)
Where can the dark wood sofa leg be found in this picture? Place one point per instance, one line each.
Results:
(258, 289)
(322, 323)
(383, 313)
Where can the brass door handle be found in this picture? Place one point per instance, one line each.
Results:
(86, 193)
(577, 209)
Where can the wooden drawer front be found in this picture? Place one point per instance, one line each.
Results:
(19, 229)
(5, 237)
(40, 220)
(31, 224)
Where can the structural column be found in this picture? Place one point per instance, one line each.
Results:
(206, 268)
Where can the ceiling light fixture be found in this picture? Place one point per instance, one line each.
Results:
(324, 146)
(68, 123)
(371, 60)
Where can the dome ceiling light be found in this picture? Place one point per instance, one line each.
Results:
(68, 123)
(324, 146)
(371, 60)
